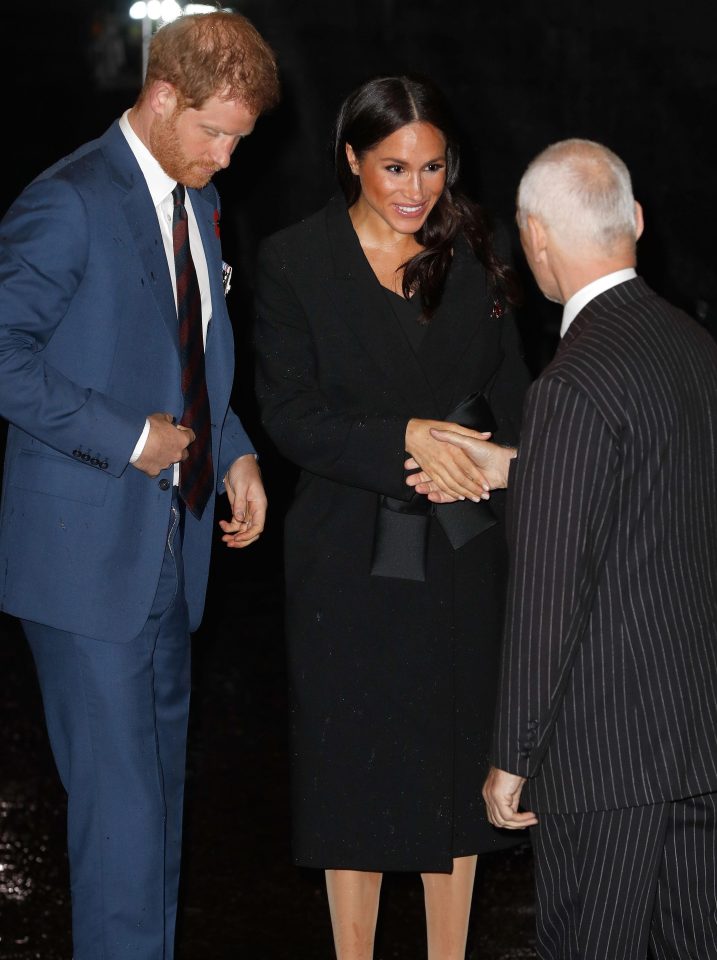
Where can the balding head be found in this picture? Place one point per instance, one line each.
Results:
(582, 193)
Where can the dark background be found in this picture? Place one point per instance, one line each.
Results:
(639, 76)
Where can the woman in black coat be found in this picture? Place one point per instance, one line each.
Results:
(381, 316)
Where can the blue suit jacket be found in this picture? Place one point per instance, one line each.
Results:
(88, 348)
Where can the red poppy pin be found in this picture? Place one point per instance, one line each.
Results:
(216, 223)
(497, 311)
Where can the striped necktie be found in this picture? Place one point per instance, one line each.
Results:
(196, 475)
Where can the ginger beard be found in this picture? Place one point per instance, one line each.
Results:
(166, 146)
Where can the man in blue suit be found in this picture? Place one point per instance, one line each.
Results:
(108, 275)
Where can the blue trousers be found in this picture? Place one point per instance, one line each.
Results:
(116, 716)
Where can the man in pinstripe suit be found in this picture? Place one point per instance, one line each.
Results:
(606, 726)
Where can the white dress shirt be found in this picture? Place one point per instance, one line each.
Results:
(160, 187)
(587, 293)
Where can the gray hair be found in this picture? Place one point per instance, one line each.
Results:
(582, 192)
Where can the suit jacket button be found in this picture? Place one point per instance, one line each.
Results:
(104, 465)
(164, 484)
(86, 457)
(76, 453)
(94, 462)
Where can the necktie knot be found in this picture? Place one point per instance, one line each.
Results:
(178, 194)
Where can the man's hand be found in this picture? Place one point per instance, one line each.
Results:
(450, 469)
(501, 792)
(247, 501)
(166, 444)
(492, 461)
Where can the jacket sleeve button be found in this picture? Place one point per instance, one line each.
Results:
(164, 484)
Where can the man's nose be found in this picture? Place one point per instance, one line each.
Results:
(222, 153)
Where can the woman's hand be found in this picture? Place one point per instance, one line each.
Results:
(452, 473)
(490, 459)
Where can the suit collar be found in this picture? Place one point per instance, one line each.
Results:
(587, 293)
(159, 183)
(123, 167)
(621, 295)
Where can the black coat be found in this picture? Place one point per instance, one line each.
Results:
(609, 693)
(393, 680)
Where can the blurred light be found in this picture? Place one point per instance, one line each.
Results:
(167, 10)
(170, 10)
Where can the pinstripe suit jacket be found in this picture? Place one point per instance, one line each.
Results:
(608, 690)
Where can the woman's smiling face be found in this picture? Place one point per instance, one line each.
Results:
(402, 177)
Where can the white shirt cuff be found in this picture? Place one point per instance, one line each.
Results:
(139, 447)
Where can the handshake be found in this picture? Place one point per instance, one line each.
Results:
(450, 462)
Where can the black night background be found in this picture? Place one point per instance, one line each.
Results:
(638, 76)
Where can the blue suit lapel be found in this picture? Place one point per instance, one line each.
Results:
(138, 209)
(219, 348)
(136, 203)
(142, 221)
(204, 211)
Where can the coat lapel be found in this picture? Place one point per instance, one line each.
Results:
(363, 305)
(454, 352)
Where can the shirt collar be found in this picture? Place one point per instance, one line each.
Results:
(159, 183)
(587, 293)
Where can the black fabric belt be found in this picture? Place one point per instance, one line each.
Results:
(401, 532)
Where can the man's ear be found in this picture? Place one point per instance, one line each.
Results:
(163, 98)
(639, 221)
(537, 238)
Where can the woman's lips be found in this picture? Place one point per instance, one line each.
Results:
(410, 210)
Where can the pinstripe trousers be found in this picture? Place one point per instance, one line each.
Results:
(612, 884)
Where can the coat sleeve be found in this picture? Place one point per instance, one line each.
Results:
(360, 448)
(43, 254)
(561, 504)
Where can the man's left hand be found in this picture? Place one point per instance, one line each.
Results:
(501, 792)
(247, 501)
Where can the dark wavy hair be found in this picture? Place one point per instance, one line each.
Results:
(373, 112)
